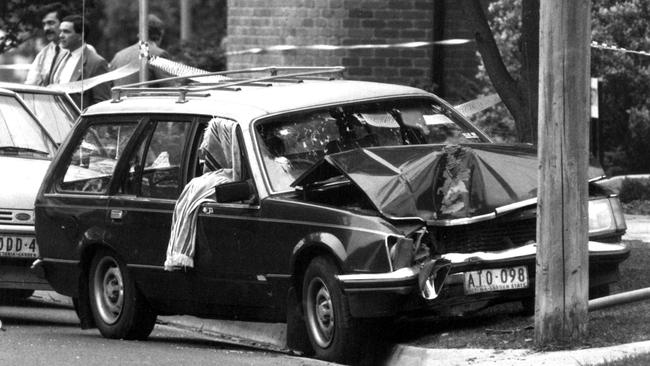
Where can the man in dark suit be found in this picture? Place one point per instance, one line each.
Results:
(80, 62)
(130, 54)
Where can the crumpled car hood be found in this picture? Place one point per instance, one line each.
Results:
(435, 182)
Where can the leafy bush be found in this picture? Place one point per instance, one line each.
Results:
(635, 189)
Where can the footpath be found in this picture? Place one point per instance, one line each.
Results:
(271, 336)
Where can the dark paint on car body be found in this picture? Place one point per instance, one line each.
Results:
(262, 259)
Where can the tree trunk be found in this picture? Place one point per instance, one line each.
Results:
(517, 95)
(529, 45)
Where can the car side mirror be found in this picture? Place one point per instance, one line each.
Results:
(234, 191)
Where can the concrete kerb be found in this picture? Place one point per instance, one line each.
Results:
(416, 356)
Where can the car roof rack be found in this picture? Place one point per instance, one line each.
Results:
(222, 80)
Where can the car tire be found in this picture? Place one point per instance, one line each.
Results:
(333, 333)
(118, 308)
(11, 296)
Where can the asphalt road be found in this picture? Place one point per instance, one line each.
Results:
(39, 334)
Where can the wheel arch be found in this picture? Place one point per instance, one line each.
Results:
(87, 252)
(312, 246)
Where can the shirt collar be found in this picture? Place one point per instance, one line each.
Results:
(78, 51)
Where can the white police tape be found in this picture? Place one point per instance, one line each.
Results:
(327, 47)
(605, 46)
(15, 67)
(179, 69)
(77, 86)
(169, 67)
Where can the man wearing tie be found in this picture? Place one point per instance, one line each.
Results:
(39, 72)
(79, 62)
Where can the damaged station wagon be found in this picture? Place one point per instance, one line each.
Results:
(300, 198)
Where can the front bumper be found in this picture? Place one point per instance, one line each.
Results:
(386, 294)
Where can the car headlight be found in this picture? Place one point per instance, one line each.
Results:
(605, 215)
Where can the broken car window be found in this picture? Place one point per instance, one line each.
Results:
(291, 144)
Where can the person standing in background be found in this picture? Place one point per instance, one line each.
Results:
(39, 72)
(79, 62)
(156, 29)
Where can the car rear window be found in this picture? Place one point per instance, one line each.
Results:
(93, 161)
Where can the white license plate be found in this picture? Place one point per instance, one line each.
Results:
(18, 246)
(496, 279)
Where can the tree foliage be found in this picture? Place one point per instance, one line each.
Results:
(18, 19)
(21, 19)
(625, 77)
(625, 93)
(114, 25)
(517, 88)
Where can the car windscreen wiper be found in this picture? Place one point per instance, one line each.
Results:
(19, 149)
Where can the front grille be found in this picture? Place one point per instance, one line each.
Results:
(6, 215)
(18, 217)
(485, 236)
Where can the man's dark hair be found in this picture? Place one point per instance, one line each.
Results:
(57, 8)
(78, 24)
(156, 28)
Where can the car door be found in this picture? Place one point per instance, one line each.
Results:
(140, 211)
(73, 210)
(224, 227)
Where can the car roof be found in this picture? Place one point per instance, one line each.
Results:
(251, 102)
(24, 88)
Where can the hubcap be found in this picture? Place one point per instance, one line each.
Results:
(320, 312)
(108, 290)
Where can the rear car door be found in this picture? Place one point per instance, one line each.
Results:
(72, 212)
(140, 211)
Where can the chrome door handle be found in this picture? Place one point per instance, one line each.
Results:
(117, 214)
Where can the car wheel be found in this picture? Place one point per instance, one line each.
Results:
(333, 333)
(119, 309)
(10, 296)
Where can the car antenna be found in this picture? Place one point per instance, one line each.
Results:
(83, 45)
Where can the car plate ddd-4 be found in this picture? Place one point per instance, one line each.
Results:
(496, 279)
(18, 246)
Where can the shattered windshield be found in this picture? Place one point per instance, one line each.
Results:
(290, 144)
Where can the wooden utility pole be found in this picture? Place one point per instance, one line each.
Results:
(561, 288)
(144, 36)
